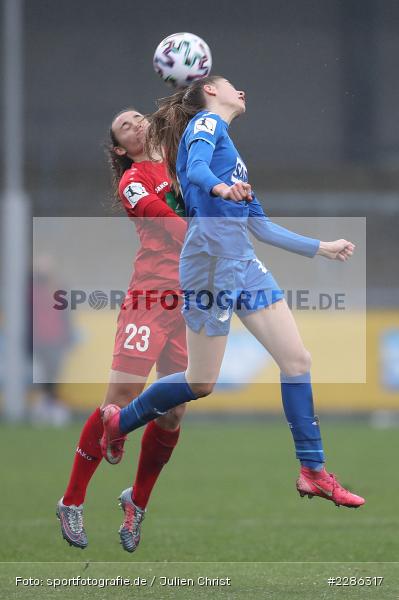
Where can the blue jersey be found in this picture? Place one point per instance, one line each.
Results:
(216, 226)
(219, 227)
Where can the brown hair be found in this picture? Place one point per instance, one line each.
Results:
(117, 163)
(168, 123)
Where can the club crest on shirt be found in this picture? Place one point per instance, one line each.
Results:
(205, 124)
(134, 192)
(240, 172)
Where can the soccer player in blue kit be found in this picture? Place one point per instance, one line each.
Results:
(218, 257)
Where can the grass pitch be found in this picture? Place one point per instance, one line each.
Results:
(225, 506)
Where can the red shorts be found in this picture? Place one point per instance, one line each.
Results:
(146, 336)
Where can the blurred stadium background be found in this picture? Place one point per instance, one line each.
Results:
(321, 138)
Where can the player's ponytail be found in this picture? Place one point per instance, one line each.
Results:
(168, 123)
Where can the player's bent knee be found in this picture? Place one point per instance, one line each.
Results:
(298, 365)
(304, 362)
(200, 390)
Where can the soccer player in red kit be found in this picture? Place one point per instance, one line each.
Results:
(147, 333)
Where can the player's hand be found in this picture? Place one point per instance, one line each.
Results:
(236, 192)
(338, 250)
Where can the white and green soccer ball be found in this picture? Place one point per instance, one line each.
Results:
(182, 58)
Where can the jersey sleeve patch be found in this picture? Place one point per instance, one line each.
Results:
(205, 124)
(134, 192)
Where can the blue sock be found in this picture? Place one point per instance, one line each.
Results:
(156, 400)
(298, 407)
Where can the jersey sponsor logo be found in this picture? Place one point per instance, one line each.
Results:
(240, 172)
(134, 192)
(205, 124)
(160, 187)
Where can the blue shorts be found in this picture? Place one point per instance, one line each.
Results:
(214, 288)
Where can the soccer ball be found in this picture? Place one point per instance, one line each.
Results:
(181, 58)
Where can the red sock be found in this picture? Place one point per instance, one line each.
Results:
(87, 458)
(157, 445)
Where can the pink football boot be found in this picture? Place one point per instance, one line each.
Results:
(113, 439)
(321, 483)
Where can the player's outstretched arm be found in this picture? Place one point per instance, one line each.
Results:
(270, 233)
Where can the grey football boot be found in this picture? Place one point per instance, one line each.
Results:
(130, 530)
(71, 519)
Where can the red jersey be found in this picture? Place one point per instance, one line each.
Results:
(146, 194)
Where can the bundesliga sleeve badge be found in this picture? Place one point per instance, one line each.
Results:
(205, 124)
(134, 192)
